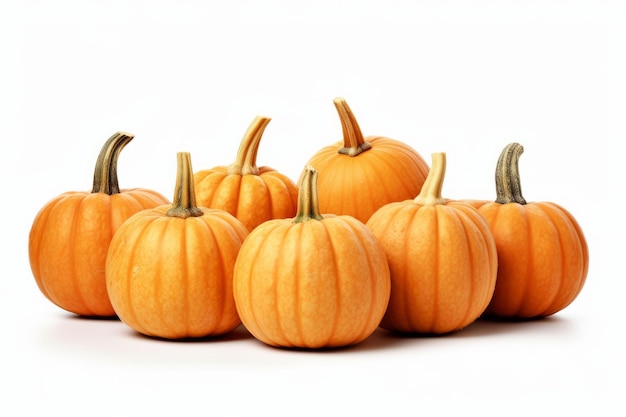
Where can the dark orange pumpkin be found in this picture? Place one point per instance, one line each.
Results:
(542, 251)
(251, 193)
(169, 269)
(360, 174)
(70, 235)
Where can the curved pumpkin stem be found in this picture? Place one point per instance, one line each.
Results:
(184, 203)
(308, 201)
(245, 163)
(353, 141)
(105, 173)
(508, 183)
(430, 193)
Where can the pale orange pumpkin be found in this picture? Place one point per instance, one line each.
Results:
(70, 235)
(360, 174)
(542, 251)
(312, 281)
(442, 258)
(169, 269)
(251, 193)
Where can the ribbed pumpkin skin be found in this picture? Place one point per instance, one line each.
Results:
(252, 198)
(543, 258)
(171, 277)
(358, 185)
(68, 243)
(443, 264)
(316, 284)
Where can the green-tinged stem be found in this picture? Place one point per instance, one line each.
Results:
(353, 141)
(430, 193)
(508, 183)
(184, 203)
(308, 201)
(105, 173)
(245, 163)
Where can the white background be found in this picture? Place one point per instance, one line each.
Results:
(461, 77)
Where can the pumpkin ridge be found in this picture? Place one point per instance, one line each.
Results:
(357, 231)
(406, 278)
(337, 277)
(221, 267)
(529, 259)
(436, 267)
(471, 255)
(78, 289)
(131, 314)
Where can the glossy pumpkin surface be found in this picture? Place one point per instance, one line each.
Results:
(70, 235)
(169, 269)
(361, 174)
(312, 281)
(542, 251)
(442, 258)
(249, 192)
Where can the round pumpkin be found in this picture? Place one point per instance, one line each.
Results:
(360, 174)
(169, 269)
(70, 235)
(251, 193)
(542, 251)
(442, 258)
(313, 281)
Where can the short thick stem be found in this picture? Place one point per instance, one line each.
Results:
(105, 173)
(430, 194)
(245, 162)
(308, 201)
(353, 141)
(184, 202)
(508, 183)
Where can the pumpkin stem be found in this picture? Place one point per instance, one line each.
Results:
(308, 201)
(184, 204)
(105, 173)
(353, 141)
(430, 194)
(245, 163)
(508, 183)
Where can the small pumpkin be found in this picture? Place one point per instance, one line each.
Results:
(313, 281)
(169, 269)
(442, 258)
(360, 174)
(251, 193)
(543, 254)
(71, 233)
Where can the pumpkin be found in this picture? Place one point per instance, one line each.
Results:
(542, 251)
(251, 193)
(313, 281)
(169, 269)
(70, 235)
(361, 174)
(442, 258)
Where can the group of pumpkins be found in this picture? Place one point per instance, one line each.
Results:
(363, 240)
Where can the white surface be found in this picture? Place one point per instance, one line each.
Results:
(461, 77)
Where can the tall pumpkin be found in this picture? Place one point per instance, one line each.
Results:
(249, 192)
(542, 251)
(442, 258)
(70, 235)
(360, 174)
(169, 269)
(312, 281)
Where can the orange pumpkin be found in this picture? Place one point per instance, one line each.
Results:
(251, 193)
(360, 174)
(312, 281)
(169, 269)
(70, 235)
(542, 251)
(442, 258)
